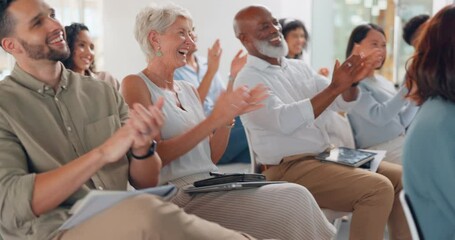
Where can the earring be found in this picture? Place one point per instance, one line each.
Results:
(158, 52)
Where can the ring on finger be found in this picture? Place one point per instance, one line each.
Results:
(349, 64)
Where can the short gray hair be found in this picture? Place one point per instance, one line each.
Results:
(156, 18)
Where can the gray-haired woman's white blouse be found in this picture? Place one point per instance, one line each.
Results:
(178, 121)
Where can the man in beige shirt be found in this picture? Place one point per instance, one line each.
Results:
(63, 134)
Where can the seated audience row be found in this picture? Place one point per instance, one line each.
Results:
(51, 158)
(299, 102)
(174, 132)
(191, 143)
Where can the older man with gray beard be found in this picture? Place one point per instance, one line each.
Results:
(293, 116)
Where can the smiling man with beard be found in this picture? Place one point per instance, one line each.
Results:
(287, 133)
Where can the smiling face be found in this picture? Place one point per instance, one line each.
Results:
(296, 41)
(175, 43)
(83, 52)
(375, 40)
(260, 33)
(37, 34)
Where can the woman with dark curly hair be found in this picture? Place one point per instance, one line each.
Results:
(82, 58)
(429, 153)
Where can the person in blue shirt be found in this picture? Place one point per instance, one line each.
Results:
(203, 74)
(429, 149)
(382, 114)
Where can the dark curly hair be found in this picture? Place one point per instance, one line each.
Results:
(7, 23)
(289, 24)
(412, 26)
(72, 31)
(432, 70)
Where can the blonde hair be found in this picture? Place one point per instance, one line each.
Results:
(156, 18)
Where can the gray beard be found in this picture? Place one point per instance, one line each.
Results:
(37, 52)
(268, 50)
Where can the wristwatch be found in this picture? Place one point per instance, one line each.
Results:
(150, 152)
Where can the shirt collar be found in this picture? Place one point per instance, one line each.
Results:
(261, 64)
(30, 82)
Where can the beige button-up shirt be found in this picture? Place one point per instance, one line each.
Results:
(41, 130)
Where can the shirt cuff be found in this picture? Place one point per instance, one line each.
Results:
(24, 210)
(17, 208)
(346, 106)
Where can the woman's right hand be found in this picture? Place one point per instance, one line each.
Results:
(214, 56)
(237, 102)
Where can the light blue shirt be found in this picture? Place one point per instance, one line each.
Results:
(381, 114)
(429, 168)
(187, 73)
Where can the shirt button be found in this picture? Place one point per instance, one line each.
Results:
(56, 99)
(68, 128)
(40, 90)
(46, 88)
(100, 188)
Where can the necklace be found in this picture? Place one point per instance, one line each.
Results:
(155, 76)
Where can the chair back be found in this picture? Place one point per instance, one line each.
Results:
(254, 163)
(410, 216)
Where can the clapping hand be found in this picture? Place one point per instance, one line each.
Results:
(355, 68)
(214, 56)
(237, 102)
(145, 124)
(237, 64)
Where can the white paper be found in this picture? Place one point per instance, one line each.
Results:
(380, 154)
(97, 201)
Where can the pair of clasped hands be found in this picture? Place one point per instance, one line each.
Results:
(356, 67)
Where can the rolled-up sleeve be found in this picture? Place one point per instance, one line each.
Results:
(16, 183)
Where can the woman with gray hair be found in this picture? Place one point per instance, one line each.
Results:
(190, 144)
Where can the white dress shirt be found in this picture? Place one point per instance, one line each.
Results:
(286, 125)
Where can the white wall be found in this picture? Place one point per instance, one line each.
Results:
(213, 19)
(439, 4)
(322, 43)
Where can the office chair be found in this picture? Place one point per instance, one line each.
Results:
(416, 233)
